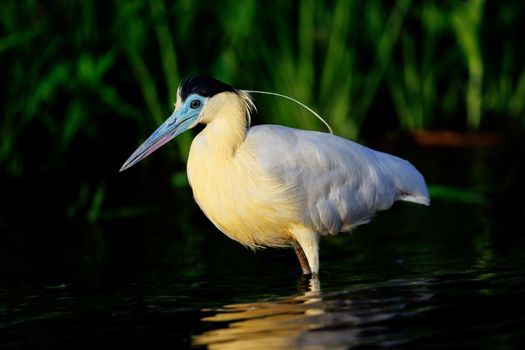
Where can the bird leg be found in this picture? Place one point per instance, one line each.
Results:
(302, 259)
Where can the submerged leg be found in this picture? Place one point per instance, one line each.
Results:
(302, 259)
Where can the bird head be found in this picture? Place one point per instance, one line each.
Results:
(194, 100)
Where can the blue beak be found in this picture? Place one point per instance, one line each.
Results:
(176, 124)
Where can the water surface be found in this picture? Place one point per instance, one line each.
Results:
(447, 276)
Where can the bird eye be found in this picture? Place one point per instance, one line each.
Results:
(195, 104)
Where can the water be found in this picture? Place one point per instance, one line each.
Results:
(448, 308)
(447, 276)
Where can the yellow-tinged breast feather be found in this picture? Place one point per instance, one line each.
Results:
(245, 202)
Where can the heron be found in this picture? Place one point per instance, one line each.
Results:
(276, 186)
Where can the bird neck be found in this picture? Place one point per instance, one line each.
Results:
(228, 123)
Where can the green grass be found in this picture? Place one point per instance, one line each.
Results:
(466, 18)
(117, 64)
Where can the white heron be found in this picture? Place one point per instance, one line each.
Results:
(274, 186)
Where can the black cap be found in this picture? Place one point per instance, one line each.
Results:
(203, 86)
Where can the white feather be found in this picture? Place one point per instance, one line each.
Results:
(338, 183)
(271, 185)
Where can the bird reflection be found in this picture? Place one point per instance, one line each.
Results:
(273, 323)
(314, 319)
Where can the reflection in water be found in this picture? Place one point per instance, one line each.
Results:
(316, 320)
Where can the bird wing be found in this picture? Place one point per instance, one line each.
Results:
(338, 183)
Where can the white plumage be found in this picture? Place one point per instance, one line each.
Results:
(271, 185)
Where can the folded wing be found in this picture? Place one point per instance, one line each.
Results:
(338, 183)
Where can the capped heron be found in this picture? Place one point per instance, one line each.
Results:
(274, 186)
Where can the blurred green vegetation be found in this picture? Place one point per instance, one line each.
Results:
(82, 74)
(84, 82)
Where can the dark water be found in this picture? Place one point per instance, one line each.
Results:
(448, 276)
(462, 306)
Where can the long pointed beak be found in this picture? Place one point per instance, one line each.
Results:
(173, 126)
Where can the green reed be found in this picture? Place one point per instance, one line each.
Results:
(466, 20)
(72, 69)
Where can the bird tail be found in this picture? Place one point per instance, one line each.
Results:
(410, 183)
(419, 199)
